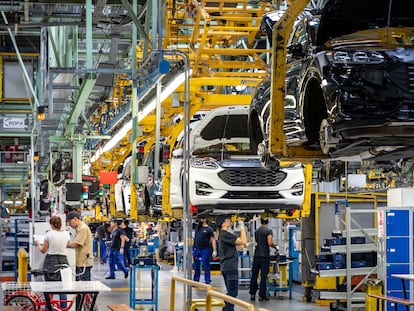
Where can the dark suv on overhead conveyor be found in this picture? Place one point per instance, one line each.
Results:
(349, 81)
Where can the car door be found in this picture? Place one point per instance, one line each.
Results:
(296, 63)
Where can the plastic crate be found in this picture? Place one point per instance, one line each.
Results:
(358, 240)
(324, 258)
(324, 266)
(358, 264)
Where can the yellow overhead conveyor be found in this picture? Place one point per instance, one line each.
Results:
(221, 41)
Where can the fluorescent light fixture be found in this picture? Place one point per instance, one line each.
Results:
(165, 93)
(18, 202)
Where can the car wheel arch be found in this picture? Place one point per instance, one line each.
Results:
(314, 107)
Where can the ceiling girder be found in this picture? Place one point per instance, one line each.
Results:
(134, 18)
(85, 90)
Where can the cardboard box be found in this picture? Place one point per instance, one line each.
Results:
(400, 197)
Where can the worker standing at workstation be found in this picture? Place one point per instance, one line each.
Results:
(227, 243)
(83, 244)
(54, 245)
(261, 259)
(203, 249)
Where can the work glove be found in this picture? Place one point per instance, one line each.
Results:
(121, 250)
(214, 254)
(241, 224)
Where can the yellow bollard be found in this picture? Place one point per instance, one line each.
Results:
(22, 264)
(283, 275)
(373, 286)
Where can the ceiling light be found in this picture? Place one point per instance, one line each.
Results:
(41, 113)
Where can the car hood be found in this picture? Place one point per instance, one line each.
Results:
(342, 17)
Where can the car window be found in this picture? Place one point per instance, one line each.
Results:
(299, 35)
(226, 126)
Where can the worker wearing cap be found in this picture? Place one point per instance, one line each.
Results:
(83, 246)
(204, 242)
(227, 243)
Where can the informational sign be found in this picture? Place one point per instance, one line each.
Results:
(14, 123)
(381, 224)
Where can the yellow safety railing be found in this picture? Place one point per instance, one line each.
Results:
(176, 279)
(212, 293)
(209, 302)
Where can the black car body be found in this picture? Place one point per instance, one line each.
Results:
(349, 81)
(153, 198)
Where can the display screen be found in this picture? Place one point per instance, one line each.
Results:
(74, 191)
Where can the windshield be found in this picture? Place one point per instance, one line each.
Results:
(226, 126)
(228, 148)
(226, 133)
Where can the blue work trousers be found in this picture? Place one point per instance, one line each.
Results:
(116, 259)
(202, 256)
(231, 279)
(260, 264)
(102, 251)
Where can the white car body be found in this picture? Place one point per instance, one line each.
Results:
(176, 166)
(225, 174)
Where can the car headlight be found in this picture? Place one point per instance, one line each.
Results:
(207, 163)
(299, 189)
(354, 57)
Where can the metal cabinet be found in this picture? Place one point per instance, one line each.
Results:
(397, 244)
(352, 222)
(14, 235)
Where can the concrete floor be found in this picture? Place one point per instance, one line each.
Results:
(120, 292)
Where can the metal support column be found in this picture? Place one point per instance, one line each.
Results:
(77, 161)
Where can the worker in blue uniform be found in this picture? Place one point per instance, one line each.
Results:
(203, 249)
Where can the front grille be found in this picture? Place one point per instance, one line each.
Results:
(402, 75)
(252, 177)
(258, 195)
(410, 69)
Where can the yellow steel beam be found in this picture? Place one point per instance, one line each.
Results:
(217, 32)
(246, 81)
(12, 54)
